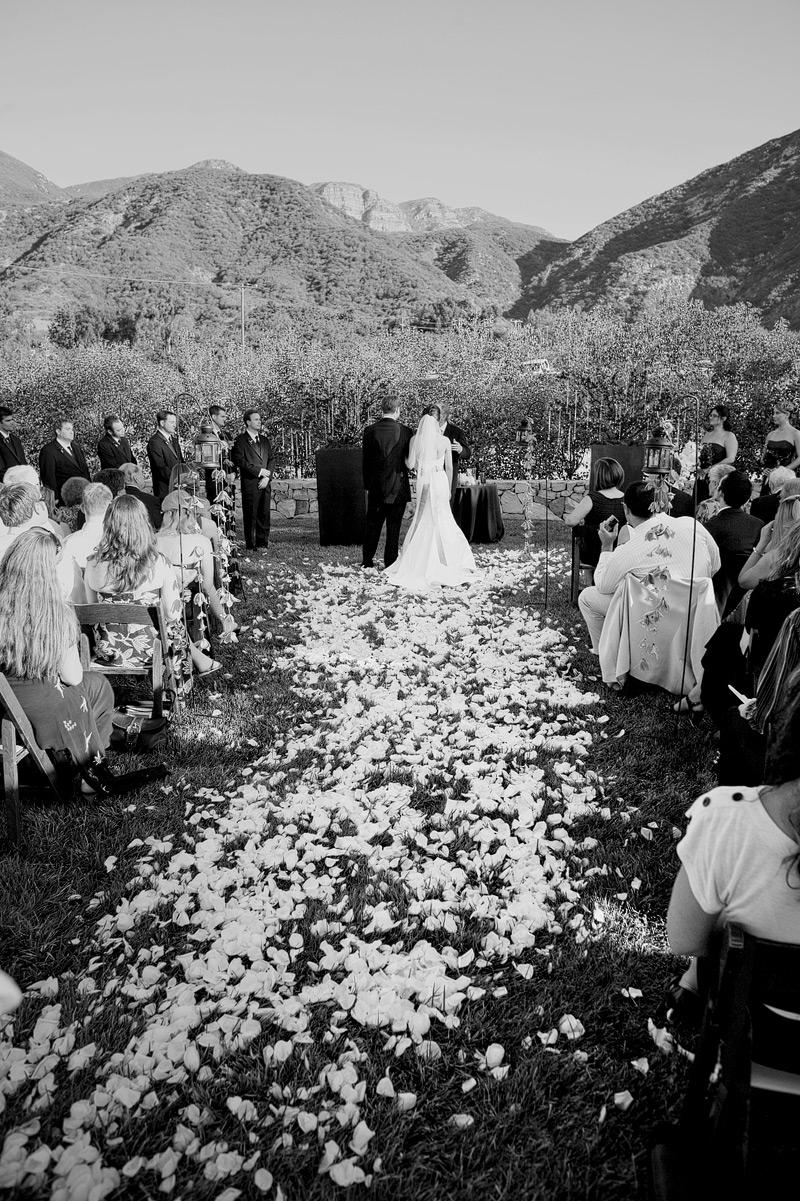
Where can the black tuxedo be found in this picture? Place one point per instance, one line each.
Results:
(150, 503)
(735, 532)
(250, 456)
(163, 455)
(12, 453)
(453, 434)
(112, 453)
(213, 487)
(384, 452)
(57, 465)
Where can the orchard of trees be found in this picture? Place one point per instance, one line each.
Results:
(614, 378)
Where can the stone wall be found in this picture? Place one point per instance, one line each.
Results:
(298, 498)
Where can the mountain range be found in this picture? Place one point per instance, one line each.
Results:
(189, 238)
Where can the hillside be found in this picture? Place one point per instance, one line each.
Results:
(22, 185)
(730, 234)
(210, 228)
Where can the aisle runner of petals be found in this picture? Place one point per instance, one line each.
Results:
(374, 872)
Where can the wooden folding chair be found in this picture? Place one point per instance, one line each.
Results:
(101, 614)
(15, 725)
(582, 574)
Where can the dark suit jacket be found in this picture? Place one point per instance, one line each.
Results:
(57, 465)
(162, 456)
(150, 503)
(682, 504)
(735, 532)
(12, 453)
(112, 453)
(384, 451)
(765, 508)
(249, 457)
(454, 434)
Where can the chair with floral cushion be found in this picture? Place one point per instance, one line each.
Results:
(91, 616)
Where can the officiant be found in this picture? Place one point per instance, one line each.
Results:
(457, 438)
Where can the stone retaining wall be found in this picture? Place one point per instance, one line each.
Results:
(298, 498)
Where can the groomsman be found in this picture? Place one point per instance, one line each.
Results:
(62, 459)
(218, 415)
(12, 453)
(252, 455)
(114, 449)
(458, 444)
(164, 452)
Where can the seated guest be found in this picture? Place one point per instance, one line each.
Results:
(69, 709)
(762, 562)
(61, 459)
(602, 501)
(20, 511)
(740, 856)
(70, 515)
(766, 506)
(134, 486)
(188, 484)
(114, 449)
(682, 504)
(113, 478)
(773, 598)
(656, 540)
(735, 533)
(26, 474)
(732, 529)
(709, 508)
(128, 568)
(80, 545)
(182, 541)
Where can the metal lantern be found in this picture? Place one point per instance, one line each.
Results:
(658, 453)
(525, 430)
(207, 447)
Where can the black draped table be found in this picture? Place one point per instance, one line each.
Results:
(477, 511)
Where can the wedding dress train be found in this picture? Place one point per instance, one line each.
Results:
(434, 551)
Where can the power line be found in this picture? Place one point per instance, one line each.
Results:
(83, 273)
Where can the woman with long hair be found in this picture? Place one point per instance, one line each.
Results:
(128, 568)
(775, 595)
(772, 544)
(69, 709)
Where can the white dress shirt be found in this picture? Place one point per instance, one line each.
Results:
(661, 541)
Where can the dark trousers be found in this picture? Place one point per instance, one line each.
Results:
(378, 511)
(255, 514)
(213, 488)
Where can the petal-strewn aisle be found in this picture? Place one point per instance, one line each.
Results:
(332, 920)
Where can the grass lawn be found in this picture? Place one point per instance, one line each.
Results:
(549, 1129)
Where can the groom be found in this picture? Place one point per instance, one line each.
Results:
(385, 446)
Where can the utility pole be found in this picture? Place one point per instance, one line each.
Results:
(242, 295)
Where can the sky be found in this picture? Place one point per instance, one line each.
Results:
(559, 113)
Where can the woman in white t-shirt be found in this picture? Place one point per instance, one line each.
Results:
(740, 855)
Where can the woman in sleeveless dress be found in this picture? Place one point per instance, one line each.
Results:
(719, 447)
(782, 445)
(602, 501)
(434, 551)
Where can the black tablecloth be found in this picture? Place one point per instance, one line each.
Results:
(478, 513)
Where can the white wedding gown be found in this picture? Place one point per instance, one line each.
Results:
(434, 551)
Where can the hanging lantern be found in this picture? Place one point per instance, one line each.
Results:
(525, 430)
(658, 453)
(207, 447)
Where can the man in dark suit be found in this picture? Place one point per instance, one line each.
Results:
(252, 455)
(12, 453)
(384, 451)
(62, 459)
(134, 486)
(114, 449)
(733, 531)
(218, 416)
(164, 452)
(765, 507)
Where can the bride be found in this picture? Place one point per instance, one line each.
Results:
(434, 551)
